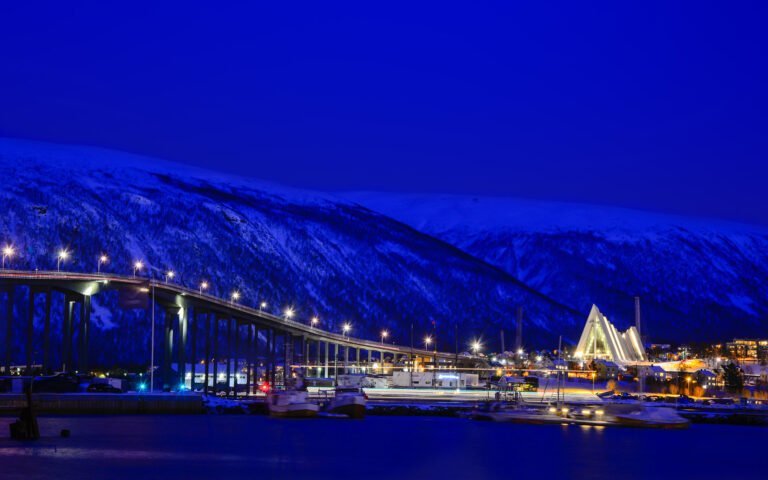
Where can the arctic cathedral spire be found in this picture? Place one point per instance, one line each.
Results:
(601, 340)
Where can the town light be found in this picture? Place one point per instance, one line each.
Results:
(8, 252)
(102, 260)
(288, 313)
(346, 328)
(235, 296)
(262, 305)
(427, 342)
(384, 334)
(203, 286)
(169, 275)
(314, 321)
(476, 346)
(63, 255)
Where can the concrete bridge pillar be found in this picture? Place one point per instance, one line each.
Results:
(215, 358)
(230, 347)
(326, 370)
(171, 317)
(84, 333)
(9, 329)
(207, 359)
(66, 334)
(30, 330)
(181, 358)
(47, 333)
(193, 326)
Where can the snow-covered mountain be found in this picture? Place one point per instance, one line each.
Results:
(698, 279)
(318, 253)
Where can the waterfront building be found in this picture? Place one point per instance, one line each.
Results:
(601, 340)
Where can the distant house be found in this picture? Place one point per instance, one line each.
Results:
(606, 370)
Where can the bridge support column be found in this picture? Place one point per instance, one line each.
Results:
(207, 361)
(171, 317)
(326, 370)
(319, 359)
(287, 357)
(228, 389)
(47, 333)
(182, 348)
(249, 354)
(272, 373)
(8, 329)
(85, 327)
(336, 363)
(30, 330)
(66, 335)
(215, 340)
(193, 326)
(357, 361)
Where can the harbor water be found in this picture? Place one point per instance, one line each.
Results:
(250, 446)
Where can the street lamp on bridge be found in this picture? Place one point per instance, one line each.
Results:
(345, 329)
(314, 321)
(289, 313)
(384, 335)
(203, 286)
(235, 296)
(262, 306)
(8, 252)
(427, 342)
(169, 275)
(476, 346)
(137, 265)
(102, 260)
(63, 255)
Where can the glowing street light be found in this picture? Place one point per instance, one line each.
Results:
(262, 306)
(63, 255)
(169, 275)
(102, 260)
(345, 329)
(427, 342)
(314, 321)
(289, 313)
(384, 334)
(137, 265)
(8, 252)
(235, 296)
(476, 346)
(203, 286)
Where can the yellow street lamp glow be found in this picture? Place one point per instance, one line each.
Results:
(170, 274)
(8, 252)
(103, 259)
(263, 305)
(203, 286)
(384, 333)
(63, 255)
(315, 321)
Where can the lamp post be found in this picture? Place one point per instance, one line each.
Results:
(314, 322)
(384, 334)
(235, 296)
(203, 286)
(63, 255)
(8, 252)
(345, 330)
(289, 313)
(102, 260)
(137, 265)
(169, 275)
(476, 346)
(262, 306)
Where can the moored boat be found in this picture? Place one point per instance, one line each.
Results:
(291, 403)
(348, 401)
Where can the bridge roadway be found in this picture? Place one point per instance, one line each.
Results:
(184, 308)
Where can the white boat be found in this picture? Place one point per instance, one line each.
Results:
(348, 401)
(651, 417)
(291, 403)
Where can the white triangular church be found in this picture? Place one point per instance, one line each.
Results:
(601, 340)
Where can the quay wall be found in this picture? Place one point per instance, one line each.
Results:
(103, 403)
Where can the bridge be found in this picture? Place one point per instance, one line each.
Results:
(192, 323)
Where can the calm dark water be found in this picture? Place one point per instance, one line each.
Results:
(227, 447)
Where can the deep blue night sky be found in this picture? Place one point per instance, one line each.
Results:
(653, 105)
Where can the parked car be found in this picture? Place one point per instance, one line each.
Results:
(102, 388)
(60, 383)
